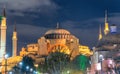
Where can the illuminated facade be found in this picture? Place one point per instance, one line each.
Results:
(10, 63)
(59, 40)
(54, 40)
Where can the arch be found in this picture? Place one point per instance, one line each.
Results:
(59, 48)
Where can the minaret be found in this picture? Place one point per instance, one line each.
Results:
(3, 28)
(100, 33)
(106, 29)
(14, 42)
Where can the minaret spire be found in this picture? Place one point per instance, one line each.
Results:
(100, 32)
(15, 27)
(106, 16)
(4, 12)
(106, 29)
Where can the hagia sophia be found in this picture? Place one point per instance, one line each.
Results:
(61, 40)
(53, 40)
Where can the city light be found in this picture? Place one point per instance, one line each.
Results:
(100, 57)
(98, 66)
(68, 72)
(10, 72)
(6, 56)
(31, 69)
(27, 67)
(20, 63)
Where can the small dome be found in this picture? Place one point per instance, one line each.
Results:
(57, 34)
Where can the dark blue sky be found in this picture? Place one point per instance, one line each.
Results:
(81, 17)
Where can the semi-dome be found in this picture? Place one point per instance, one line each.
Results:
(57, 34)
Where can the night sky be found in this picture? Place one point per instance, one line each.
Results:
(81, 17)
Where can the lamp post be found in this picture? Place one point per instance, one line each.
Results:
(27, 69)
(36, 66)
(6, 56)
(20, 65)
(101, 59)
(31, 70)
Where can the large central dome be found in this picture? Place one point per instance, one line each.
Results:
(57, 31)
(57, 34)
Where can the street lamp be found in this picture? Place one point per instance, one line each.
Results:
(36, 66)
(20, 66)
(31, 69)
(101, 59)
(20, 63)
(27, 69)
(6, 56)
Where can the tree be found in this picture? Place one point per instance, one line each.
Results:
(27, 62)
(57, 61)
(81, 62)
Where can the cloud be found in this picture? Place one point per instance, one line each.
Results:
(87, 24)
(113, 18)
(17, 6)
(87, 31)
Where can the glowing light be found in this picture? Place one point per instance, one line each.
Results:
(20, 63)
(31, 69)
(10, 73)
(98, 66)
(27, 67)
(6, 56)
(68, 72)
(101, 57)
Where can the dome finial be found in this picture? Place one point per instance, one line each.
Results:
(57, 25)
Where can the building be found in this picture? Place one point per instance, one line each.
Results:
(108, 46)
(53, 40)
